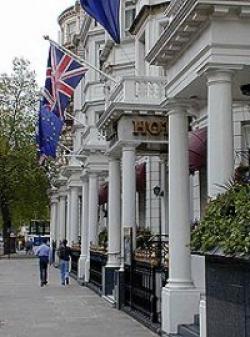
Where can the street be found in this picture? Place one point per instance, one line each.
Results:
(27, 310)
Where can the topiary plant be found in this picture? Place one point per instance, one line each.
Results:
(226, 224)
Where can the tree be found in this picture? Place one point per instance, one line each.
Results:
(23, 185)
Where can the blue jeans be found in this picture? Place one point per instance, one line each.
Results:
(64, 267)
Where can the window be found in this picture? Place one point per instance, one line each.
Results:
(129, 16)
(98, 50)
(71, 30)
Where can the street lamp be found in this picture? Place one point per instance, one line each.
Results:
(159, 193)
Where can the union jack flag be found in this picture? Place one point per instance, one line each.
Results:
(62, 76)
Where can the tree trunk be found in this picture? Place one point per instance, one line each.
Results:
(4, 206)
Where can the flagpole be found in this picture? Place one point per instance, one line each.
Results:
(64, 147)
(78, 59)
(74, 118)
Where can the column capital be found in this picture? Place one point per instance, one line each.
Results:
(219, 70)
(62, 192)
(54, 199)
(84, 178)
(62, 195)
(178, 106)
(112, 158)
(92, 174)
(128, 147)
(217, 76)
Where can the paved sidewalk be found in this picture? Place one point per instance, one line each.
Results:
(27, 310)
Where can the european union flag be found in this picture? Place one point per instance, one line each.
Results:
(49, 130)
(107, 13)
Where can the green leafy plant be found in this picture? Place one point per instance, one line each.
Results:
(226, 224)
(103, 238)
(142, 237)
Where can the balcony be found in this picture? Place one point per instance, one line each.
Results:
(139, 90)
(139, 94)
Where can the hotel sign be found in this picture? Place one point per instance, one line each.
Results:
(149, 127)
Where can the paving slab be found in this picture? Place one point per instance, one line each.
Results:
(28, 310)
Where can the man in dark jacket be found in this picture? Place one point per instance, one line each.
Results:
(64, 256)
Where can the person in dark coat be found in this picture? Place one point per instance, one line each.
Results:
(64, 254)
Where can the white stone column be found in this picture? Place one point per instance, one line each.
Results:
(128, 195)
(114, 213)
(164, 198)
(93, 207)
(180, 300)
(74, 214)
(53, 218)
(84, 229)
(179, 230)
(92, 218)
(220, 129)
(68, 218)
(62, 216)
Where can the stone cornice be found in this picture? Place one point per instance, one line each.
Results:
(60, 181)
(143, 14)
(69, 170)
(184, 26)
(117, 109)
(92, 149)
(66, 14)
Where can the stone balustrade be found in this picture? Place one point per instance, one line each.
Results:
(139, 90)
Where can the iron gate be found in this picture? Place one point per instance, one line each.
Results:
(144, 278)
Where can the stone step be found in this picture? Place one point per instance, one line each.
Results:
(110, 299)
(191, 330)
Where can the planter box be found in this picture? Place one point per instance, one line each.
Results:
(228, 296)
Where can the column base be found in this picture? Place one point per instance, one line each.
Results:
(179, 305)
(87, 271)
(81, 267)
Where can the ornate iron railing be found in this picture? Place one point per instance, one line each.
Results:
(75, 255)
(145, 277)
(97, 262)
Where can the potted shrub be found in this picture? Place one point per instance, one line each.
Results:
(224, 237)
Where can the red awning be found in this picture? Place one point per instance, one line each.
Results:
(103, 193)
(140, 170)
(197, 148)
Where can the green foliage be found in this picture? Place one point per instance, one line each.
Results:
(142, 237)
(103, 238)
(23, 185)
(226, 224)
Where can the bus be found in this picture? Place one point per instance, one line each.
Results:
(38, 230)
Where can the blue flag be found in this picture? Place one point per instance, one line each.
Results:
(49, 130)
(107, 13)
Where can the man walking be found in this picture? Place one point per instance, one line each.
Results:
(43, 252)
(64, 256)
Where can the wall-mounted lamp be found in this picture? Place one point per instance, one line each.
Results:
(157, 191)
(245, 89)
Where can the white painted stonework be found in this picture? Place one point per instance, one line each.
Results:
(183, 58)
